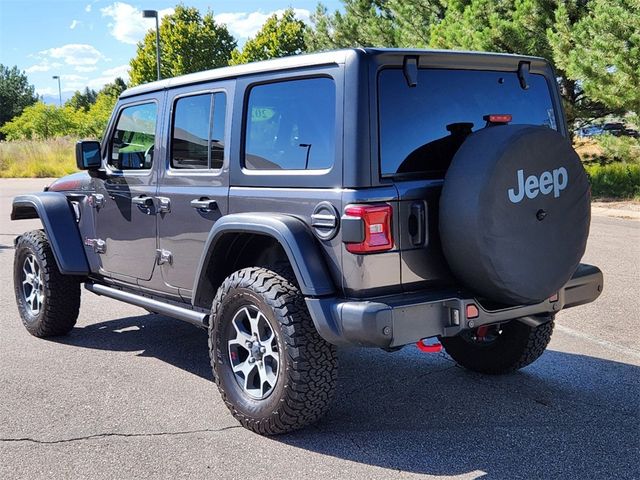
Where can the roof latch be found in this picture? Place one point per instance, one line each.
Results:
(410, 69)
(523, 74)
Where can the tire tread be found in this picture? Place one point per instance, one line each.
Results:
(312, 376)
(62, 304)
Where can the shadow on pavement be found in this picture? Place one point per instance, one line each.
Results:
(178, 343)
(566, 416)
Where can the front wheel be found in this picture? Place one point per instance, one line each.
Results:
(498, 349)
(274, 371)
(48, 301)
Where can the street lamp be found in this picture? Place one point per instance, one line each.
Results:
(57, 77)
(154, 14)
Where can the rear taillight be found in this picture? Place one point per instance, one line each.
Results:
(376, 227)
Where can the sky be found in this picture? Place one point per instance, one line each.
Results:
(89, 43)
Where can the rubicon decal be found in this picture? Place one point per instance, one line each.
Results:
(548, 182)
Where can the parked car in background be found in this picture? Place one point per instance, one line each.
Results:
(630, 132)
(615, 128)
(589, 131)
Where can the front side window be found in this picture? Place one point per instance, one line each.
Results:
(198, 132)
(291, 125)
(422, 127)
(131, 146)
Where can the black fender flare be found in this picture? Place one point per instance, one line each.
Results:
(291, 233)
(58, 219)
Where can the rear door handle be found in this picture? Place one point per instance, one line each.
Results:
(204, 204)
(417, 223)
(143, 201)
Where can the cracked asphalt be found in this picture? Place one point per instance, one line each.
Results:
(129, 395)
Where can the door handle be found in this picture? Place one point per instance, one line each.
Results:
(417, 223)
(143, 201)
(204, 204)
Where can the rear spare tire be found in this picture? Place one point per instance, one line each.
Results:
(515, 213)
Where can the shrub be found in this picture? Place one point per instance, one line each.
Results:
(615, 180)
(620, 149)
(605, 149)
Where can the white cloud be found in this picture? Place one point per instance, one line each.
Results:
(47, 91)
(108, 76)
(74, 24)
(80, 68)
(75, 54)
(42, 67)
(70, 77)
(87, 8)
(247, 24)
(119, 71)
(128, 25)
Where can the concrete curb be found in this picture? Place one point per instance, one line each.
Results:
(615, 213)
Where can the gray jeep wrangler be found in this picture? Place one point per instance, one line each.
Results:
(367, 197)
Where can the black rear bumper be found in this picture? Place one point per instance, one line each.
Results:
(389, 322)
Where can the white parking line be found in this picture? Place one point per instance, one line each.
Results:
(603, 343)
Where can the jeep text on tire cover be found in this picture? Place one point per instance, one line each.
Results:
(548, 182)
(354, 197)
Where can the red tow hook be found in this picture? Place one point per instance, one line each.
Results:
(434, 347)
(482, 331)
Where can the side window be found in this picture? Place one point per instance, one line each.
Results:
(291, 125)
(190, 145)
(131, 146)
(198, 132)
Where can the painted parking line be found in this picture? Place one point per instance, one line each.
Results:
(603, 343)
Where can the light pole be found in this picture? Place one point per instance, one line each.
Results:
(154, 14)
(57, 77)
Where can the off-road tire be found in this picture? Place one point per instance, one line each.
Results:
(59, 310)
(516, 347)
(307, 372)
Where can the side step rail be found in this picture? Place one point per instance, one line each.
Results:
(197, 318)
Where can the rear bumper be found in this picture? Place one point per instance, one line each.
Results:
(389, 322)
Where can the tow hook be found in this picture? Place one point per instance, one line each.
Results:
(432, 347)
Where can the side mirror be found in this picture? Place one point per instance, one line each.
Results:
(88, 155)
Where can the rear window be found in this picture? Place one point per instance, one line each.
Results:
(422, 127)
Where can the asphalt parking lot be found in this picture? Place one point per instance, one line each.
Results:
(129, 395)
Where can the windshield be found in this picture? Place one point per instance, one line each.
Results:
(422, 127)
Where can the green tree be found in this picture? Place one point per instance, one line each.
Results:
(278, 37)
(82, 100)
(415, 19)
(41, 121)
(15, 93)
(92, 123)
(189, 42)
(375, 23)
(364, 23)
(115, 88)
(601, 51)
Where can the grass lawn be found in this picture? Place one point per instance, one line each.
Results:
(37, 158)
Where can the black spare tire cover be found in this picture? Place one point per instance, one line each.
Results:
(515, 213)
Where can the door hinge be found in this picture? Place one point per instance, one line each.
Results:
(164, 256)
(164, 204)
(96, 200)
(99, 245)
